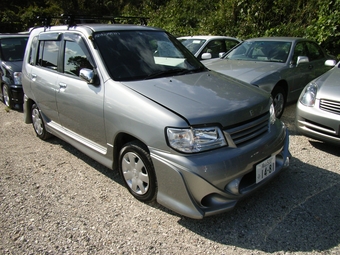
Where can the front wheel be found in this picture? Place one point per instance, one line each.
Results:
(279, 98)
(7, 96)
(38, 123)
(137, 171)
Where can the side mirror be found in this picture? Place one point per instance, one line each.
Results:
(330, 62)
(87, 75)
(220, 55)
(206, 56)
(302, 59)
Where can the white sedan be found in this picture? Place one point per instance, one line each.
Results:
(208, 47)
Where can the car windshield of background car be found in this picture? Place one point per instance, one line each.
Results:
(137, 55)
(192, 44)
(263, 51)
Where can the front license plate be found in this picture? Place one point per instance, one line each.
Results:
(265, 168)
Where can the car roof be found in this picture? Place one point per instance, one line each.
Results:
(97, 28)
(206, 37)
(274, 38)
(13, 35)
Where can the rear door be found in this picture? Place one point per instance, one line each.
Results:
(43, 73)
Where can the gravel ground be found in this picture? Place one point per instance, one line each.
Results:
(56, 200)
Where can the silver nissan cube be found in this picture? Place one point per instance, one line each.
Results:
(136, 100)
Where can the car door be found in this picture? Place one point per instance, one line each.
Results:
(43, 73)
(297, 74)
(214, 47)
(80, 104)
(317, 60)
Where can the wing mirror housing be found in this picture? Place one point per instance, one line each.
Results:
(302, 59)
(330, 62)
(206, 56)
(88, 75)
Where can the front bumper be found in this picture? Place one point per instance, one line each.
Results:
(318, 124)
(208, 183)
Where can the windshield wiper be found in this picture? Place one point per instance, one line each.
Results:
(177, 71)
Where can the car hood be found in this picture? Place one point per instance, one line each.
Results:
(330, 86)
(247, 71)
(15, 66)
(206, 97)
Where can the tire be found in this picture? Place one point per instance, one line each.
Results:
(38, 123)
(6, 93)
(279, 99)
(137, 171)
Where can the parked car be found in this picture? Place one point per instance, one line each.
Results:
(12, 49)
(208, 47)
(135, 99)
(280, 65)
(318, 108)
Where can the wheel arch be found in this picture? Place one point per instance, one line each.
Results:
(120, 140)
(28, 103)
(283, 84)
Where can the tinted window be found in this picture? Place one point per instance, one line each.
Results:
(48, 54)
(215, 47)
(33, 51)
(314, 51)
(192, 44)
(269, 51)
(134, 55)
(13, 49)
(300, 50)
(74, 59)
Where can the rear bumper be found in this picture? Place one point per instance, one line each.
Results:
(17, 94)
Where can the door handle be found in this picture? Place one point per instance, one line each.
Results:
(62, 85)
(33, 76)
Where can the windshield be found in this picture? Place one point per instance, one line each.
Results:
(192, 44)
(267, 51)
(13, 49)
(136, 55)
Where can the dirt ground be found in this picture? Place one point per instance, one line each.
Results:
(56, 200)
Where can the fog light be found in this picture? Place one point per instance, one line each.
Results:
(234, 186)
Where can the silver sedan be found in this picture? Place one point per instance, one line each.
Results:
(318, 108)
(280, 65)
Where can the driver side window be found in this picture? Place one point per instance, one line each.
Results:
(74, 59)
(299, 51)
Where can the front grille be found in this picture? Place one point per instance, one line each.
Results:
(330, 106)
(247, 131)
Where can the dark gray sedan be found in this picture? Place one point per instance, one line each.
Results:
(280, 65)
(318, 108)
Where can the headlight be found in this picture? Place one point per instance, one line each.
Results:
(192, 140)
(17, 78)
(272, 114)
(308, 95)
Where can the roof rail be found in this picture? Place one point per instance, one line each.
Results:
(72, 20)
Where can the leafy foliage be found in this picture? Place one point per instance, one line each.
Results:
(314, 19)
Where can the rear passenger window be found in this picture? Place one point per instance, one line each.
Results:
(314, 52)
(48, 54)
